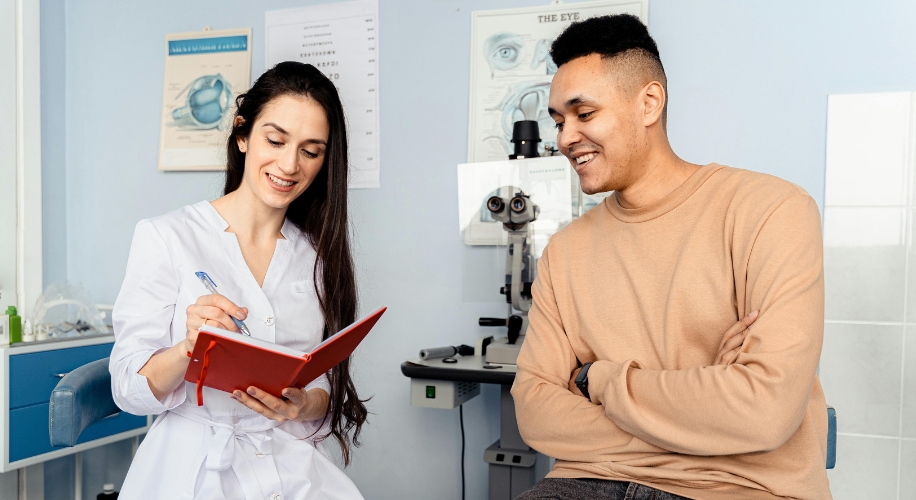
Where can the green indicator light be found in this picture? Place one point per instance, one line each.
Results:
(430, 392)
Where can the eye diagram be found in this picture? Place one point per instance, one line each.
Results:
(542, 54)
(524, 101)
(503, 51)
(207, 101)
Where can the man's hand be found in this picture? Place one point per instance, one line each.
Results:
(573, 388)
(296, 405)
(733, 339)
(729, 348)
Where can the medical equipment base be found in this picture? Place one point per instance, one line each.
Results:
(513, 466)
(441, 394)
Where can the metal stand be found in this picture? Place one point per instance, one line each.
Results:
(512, 462)
(513, 466)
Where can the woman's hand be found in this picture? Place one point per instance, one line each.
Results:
(733, 339)
(213, 310)
(296, 405)
(164, 371)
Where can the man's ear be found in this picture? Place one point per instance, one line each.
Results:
(653, 100)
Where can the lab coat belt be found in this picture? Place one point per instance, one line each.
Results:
(220, 447)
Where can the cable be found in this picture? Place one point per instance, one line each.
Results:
(461, 419)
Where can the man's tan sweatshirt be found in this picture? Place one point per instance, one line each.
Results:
(646, 295)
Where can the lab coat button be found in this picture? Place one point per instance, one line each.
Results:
(269, 321)
(275, 496)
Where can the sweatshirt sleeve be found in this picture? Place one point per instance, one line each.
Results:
(757, 403)
(542, 396)
(142, 319)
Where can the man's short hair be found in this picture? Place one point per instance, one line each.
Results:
(621, 37)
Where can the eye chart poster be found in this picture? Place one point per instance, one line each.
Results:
(204, 72)
(511, 69)
(341, 40)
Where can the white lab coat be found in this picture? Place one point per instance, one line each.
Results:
(221, 450)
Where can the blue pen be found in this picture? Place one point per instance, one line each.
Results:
(211, 287)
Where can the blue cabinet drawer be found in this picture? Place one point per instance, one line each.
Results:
(29, 430)
(33, 376)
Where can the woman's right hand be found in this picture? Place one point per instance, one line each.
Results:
(214, 310)
(733, 339)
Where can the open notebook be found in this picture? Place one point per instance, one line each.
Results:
(231, 361)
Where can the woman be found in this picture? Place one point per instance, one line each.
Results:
(277, 246)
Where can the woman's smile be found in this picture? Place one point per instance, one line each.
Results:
(280, 184)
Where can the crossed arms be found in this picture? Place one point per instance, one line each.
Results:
(754, 403)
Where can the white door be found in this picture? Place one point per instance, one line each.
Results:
(20, 154)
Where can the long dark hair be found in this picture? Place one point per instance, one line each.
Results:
(321, 213)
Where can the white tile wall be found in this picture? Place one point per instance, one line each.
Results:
(869, 469)
(864, 263)
(908, 415)
(860, 371)
(868, 365)
(880, 121)
(907, 468)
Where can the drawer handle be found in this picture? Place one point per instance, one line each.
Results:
(60, 375)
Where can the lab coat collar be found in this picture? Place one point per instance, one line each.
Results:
(209, 213)
(212, 216)
(289, 230)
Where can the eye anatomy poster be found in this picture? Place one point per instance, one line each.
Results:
(341, 40)
(204, 72)
(511, 69)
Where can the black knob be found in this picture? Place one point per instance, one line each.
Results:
(492, 322)
(525, 139)
(515, 328)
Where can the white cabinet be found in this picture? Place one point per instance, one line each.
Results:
(33, 371)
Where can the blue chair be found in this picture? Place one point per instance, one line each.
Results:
(81, 398)
(831, 437)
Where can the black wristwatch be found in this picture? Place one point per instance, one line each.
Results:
(582, 380)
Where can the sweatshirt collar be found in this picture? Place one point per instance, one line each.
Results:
(666, 204)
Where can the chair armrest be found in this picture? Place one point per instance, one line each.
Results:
(81, 398)
(831, 437)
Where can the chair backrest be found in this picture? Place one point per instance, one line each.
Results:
(831, 437)
(80, 399)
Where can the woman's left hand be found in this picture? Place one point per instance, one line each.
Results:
(297, 405)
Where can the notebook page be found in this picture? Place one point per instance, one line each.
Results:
(263, 344)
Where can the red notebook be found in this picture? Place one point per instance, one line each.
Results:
(231, 361)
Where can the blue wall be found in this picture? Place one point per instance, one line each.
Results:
(748, 87)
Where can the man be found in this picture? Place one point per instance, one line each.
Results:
(633, 303)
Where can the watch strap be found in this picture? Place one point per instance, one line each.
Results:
(582, 380)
